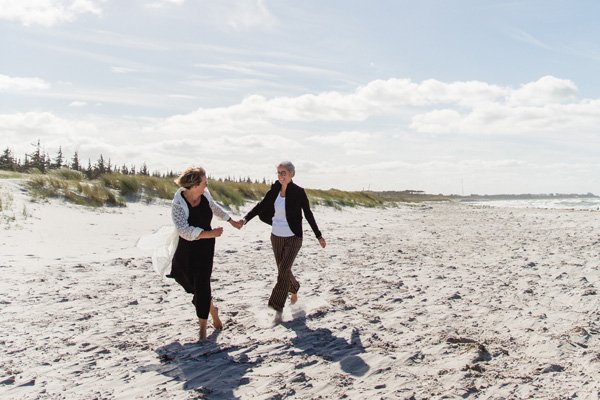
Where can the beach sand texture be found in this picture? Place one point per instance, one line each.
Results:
(424, 301)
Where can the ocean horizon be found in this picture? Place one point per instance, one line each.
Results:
(564, 203)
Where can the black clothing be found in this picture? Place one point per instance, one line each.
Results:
(193, 260)
(296, 201)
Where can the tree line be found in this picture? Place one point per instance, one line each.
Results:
(40, 161)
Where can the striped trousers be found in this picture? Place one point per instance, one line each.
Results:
(285, 250)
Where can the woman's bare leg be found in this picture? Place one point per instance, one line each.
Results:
(294, 298)
(202, 333)
(214, 313)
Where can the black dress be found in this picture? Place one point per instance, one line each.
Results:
(193, 260)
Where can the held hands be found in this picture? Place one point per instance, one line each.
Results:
(237, 224)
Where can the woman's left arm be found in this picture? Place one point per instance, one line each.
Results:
(216, 209)
(309, 216)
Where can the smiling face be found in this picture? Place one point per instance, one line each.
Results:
(198, 190)
(284, 176)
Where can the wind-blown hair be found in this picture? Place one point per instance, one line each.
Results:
(192, 176)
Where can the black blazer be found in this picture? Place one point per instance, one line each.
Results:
(296, 201)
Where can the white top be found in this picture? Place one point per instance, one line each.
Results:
(280, 224)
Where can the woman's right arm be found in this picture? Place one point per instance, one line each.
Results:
(184, 229)
(255, 210)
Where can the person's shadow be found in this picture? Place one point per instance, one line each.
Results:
(207, 368)
(322, 343)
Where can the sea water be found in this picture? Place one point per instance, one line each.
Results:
(566, 203)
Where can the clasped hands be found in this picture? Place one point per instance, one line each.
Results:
(237, 224)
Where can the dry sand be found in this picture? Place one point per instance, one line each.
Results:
(426, 301)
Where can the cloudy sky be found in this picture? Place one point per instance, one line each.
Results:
(465, 96)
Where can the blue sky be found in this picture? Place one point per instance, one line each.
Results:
(442, 96)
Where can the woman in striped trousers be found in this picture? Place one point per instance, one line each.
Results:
(282, 208)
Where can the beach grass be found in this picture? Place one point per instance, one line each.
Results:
(12, 175)
(140, 187)
(6, 200)
(117, 189)
(7, 214)
(338, 198)
(74, 189)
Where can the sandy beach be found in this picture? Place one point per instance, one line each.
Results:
(418, 301)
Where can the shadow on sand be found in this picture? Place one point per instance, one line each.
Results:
(322, 343)
(207, 368)
(214, 371)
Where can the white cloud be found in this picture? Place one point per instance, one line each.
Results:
(122, 70)
(548, 105)
(78, 104)
(240, 15)
(437, 121)
(164, 3)
(463, 106)
(43, 124)
(354, 143)
(46, 12)
(546, 90)
(376, 136)
(16, 84)
(343, 138)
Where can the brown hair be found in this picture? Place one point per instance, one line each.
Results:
(192, 176)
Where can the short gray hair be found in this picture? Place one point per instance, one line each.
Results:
(288, 166)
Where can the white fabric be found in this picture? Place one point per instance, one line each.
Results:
(163, 244)
(280, 226)
(164, 241)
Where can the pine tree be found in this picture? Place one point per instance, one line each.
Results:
(109, 167)
(59, 160)
(37, 158)
(26, 164)
(100, 167)
(47, 162)
(89, 172)
(75, 162)
(7, 161)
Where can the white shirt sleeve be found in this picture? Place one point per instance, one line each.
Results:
(216, 209)
(184, 229)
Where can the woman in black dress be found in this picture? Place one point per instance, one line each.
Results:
(192, 211)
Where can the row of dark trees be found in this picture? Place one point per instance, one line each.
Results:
(40, 160)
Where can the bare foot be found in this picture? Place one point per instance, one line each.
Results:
(214, 313)
(294, 298)
(278, 317)
(202, 332)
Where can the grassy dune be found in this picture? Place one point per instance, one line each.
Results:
(117, 189)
